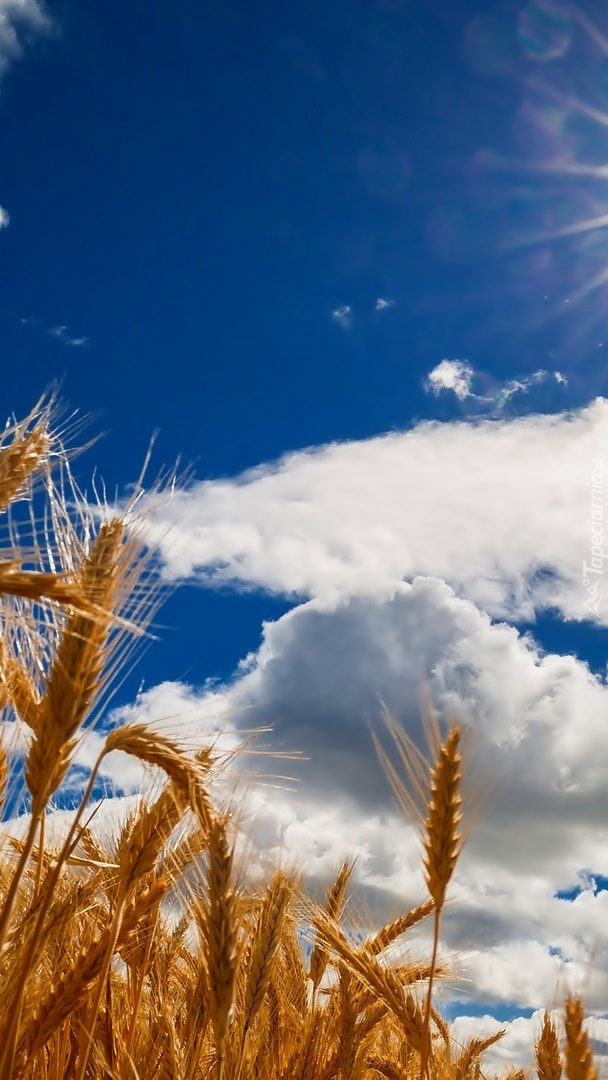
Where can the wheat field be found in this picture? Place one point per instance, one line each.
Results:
(147, 957)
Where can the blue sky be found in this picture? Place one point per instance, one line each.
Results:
(360, 249)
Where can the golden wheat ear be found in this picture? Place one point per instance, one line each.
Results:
(578, 1053)
(144, 842)
(442, 844)
(383, 982)
(264, 949)
(393, 930)
(25, 455)
(469, 1057)
(220, 934)
(76, 674)
(547, 1053)
(334, 902)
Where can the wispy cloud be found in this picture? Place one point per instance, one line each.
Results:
(17, 18)
(382, 304)
(4, 218)
(459, 377)
(525, 383)
(66, 338)
(342, 315)
(61, 333)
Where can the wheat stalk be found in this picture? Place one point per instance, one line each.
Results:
(75, 676)
(65, 995)
(267, 937)
(149, 834)
(442, 843)
(383, 982)
(334, 902)
(548, 1057)
(4, 774)
(389, 933)
(24, 456)
(38, 585)
(220, 938)
(154, 748)
(472, 1052)
(579, 1057)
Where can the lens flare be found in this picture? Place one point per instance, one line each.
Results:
(545, 29)
(554, 226)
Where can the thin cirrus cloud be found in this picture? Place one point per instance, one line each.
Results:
(60, 332)
(343, 313)
(63, 334)
(498, 508)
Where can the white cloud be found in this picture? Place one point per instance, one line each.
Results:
(63, 334)
(342, 315)
(459, 377)
(454, 375)
(18, 18)
(383, 304)
(524, 384)
(5, 219)
(540, 740)
(497, 508)
(517, 1046)
(540, 744)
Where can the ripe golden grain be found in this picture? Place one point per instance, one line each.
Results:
(579, 1057)
(334, 901)
(25, 455)
(548, 1056)
(266, 941)
(221, 937)
(94, 980)
(393, 930)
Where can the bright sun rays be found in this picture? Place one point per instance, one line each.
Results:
(559, 129)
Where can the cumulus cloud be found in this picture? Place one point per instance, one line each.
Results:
(454, 375)
(411, 548)
(497, 508)
(18, 19)
(318, 680)
(382, 304)
(540, 744)
(4, 218)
